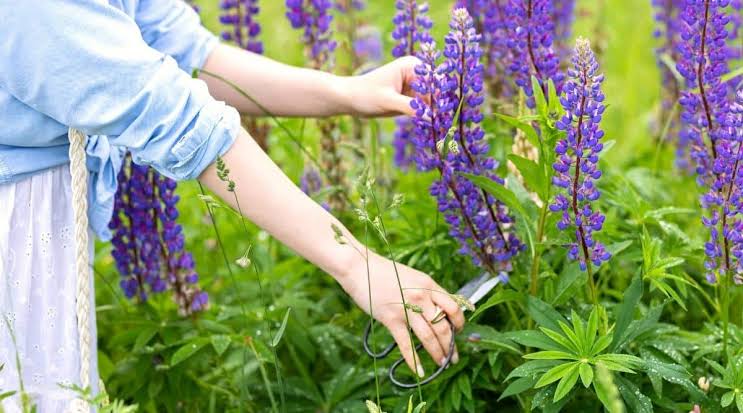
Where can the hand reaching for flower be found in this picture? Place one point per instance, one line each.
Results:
(385, 91)
(423, 297)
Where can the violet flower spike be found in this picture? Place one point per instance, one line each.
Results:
(532, 33)
(724, 199)
(148, 244)
(239, 19)
(475, 220)
(702, 60)
(577, 158)
(412, 28)
(563, 16)
(314, 18)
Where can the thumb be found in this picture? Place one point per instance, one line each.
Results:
(401, 104)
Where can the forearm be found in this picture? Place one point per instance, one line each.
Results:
(271, 200)
(281, 89)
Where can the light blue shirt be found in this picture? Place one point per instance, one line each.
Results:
(117, 70)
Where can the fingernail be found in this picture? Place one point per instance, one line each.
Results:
(442, 362)
(421, 372)
(455, 358)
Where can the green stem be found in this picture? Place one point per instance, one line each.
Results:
(402, 295)
(725, 311)
(264, 375)
(371, 310)
(537, 256)
(592, 291)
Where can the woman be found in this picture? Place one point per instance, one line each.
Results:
(119, 71)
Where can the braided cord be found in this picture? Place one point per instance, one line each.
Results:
(79, 173)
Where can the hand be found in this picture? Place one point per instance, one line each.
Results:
(385, 91)
(420, 291)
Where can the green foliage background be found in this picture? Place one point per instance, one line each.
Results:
(223, 361)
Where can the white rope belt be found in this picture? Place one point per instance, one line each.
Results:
(83, 297)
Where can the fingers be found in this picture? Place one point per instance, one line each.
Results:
(401, 104)
(402, 338)
(449, 306)
(442, 328)
(428, 337)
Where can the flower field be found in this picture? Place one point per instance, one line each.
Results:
(587, 153)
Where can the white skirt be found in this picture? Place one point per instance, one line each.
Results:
(37, 293)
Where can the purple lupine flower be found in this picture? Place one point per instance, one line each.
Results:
(578, 156)
(148, 244)
(313, 16)
(532, 33)
(668, 30)
(412, 28)
(243, 29)
(724, 199)
(311, 183)
(475, 219)
(490, 18)
(702, 60)
(367, 45)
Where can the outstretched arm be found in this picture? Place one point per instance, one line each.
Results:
(272, 201)
(285, 90)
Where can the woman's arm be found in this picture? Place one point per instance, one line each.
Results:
(268, 198)
(285, 90)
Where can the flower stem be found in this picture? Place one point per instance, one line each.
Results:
(537, 254)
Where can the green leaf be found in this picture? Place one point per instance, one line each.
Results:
(550, 355)
(220, 342)
(529, 131)
(532, 368)
(543, 314)
(727, 399)
(556, 373)
(567, 383)
(739, 402)
(578, 343)
(586, 374)
(144, 337)
(619, 362)
(507, 197)
(518, 386)
(502, 296)
(626, 310)
(280, 333)
(578, 327)
(593, 327)
(600, 345)
(530, 338)
(560, 339)
(732, 75)
(553, 99)
(6, 395)
(637, 402)
(531, 173)
(539, 97)
(372, 407)
(187, 351)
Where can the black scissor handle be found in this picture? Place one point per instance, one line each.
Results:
(387, 350)
(384, 353)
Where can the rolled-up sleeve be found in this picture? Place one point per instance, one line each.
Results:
(86, 65)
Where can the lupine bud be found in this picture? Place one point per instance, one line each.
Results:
(242, 28)
(313, 16)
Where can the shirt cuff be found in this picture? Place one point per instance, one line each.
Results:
(213, 133)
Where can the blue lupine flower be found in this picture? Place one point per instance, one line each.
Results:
(412, 28)
(532, 33)
(239, 16)
(313, 16)
(475, 219)
(577, 158)
(148, 244)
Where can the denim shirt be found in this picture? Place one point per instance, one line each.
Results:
(120, 72)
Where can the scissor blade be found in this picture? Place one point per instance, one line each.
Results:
(479, 287)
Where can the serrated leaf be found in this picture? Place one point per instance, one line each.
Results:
(586, 374)
(220, 342)
(556, 373)
(567, 383)
(282, 328)
(186, 351)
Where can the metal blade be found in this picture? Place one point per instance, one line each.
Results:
(479, 287)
